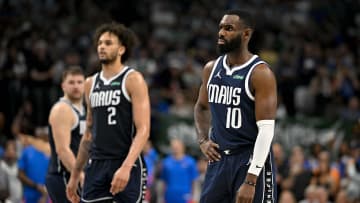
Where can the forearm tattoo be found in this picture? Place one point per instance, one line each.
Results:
(83, 154)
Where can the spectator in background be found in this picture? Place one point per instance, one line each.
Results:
(4, 185)
(9, 165)
(181, 107)
(310, 194)
(351, 112)
(353, 172)
(178, 173)
(41, 74)
(299, 177)
(282, 168)
(321, 89)
(342, 197)
(322, 195)
(145, 64)
(315, 150)
(346, 83)
(16, 70)
(151, 158)
(287, 80)
(33, 165)
(24, 120)
(287, 196)
(326, 176)
(23, 125)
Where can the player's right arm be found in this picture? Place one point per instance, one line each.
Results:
(202, 117)
(61, 120)
(84, 147)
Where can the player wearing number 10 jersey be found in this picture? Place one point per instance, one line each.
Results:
(118, 124)
(239, 91)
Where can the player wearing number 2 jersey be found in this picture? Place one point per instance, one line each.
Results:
(118, 124)
(239, 92)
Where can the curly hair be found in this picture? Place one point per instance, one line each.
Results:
(125, 35)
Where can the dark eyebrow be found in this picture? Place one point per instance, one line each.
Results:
(226, 24)
(105, 41)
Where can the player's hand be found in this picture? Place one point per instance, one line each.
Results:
(209, 149)
(71, 189)
(245, 194)
(120, 179)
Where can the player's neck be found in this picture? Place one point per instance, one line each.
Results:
(238, 58)
(109, 70)
(76, 102)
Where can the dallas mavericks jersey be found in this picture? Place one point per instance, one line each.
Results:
(77, 131)
(232, 105)
(113, 128)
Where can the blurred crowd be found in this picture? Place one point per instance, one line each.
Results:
(312, 46)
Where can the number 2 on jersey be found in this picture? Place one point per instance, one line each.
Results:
(112, 113)
(233, 117)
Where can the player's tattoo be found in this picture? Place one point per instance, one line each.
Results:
(83, 154)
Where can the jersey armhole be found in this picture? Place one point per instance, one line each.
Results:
(92, 84)
(212, 71)
(77, 119)
(123, 86)
(247, 82)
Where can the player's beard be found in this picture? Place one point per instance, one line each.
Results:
(110, 59)
(230, 46)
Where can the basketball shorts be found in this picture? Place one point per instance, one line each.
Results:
(223, 179)
(98, 177)
(56, 187)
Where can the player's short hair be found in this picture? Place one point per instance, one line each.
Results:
(125, 35)
(72, 70)
(245, 16)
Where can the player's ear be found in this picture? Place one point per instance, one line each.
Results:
(62, 85)
(247, 33)
(122, 50)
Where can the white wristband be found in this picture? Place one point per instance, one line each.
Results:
(262, 145)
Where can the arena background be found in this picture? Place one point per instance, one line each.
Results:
(313, 47)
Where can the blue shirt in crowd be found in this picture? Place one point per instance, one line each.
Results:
(178, 176)
(34, 164)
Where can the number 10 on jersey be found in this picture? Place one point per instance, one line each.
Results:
(233, 118)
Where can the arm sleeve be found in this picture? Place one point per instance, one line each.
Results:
(262, 145)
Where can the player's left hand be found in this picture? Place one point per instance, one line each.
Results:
(245, 194)
(120, 179)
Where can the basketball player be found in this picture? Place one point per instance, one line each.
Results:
(118, 124)
(239, 91)
(66, 127)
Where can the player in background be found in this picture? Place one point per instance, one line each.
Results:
(66, 127)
